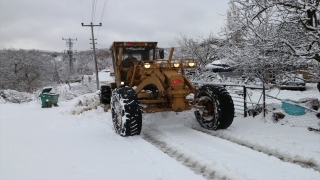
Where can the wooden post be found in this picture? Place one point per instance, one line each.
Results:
(264, 100)
(245, 100)
(94, 52)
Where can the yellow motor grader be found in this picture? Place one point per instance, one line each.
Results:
(146, 82)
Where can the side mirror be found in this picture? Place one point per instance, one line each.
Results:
(161, 53)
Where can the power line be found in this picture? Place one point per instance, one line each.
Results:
(95, 10)
(81, 41)
(92, 11)
(94, 4)
(102, 15)
(81, 11)
(86, 43)
(77, 30)
(103, 10)
(81, 32)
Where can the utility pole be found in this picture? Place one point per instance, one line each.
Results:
(70, 53)
(94, 52)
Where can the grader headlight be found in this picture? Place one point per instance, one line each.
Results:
(176, 64)
(191, 64)
(147, 65)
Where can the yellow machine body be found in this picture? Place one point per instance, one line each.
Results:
(161, 85)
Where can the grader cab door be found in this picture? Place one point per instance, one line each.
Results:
(141, 51)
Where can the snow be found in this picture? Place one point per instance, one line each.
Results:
(53, 144)
(215, 64)
(105, 77)
(14, 96)
(76, 140)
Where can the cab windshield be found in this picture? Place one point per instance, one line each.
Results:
(140, 53)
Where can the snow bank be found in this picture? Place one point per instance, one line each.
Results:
(13, 96)
(85, 103)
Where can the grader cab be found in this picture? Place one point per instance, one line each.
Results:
(145, 82)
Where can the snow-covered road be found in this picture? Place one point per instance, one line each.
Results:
(77, 141)
(219, 157)
(41, 143)
(61, 143)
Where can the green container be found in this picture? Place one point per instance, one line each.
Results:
(48, 99)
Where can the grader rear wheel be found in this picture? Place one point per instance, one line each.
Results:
(105, 94)
(126, 112)
(218, 111)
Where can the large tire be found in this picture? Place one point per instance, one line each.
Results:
(105, 94)
(219, 108)
(126, 112)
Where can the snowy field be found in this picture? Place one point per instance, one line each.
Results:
(76, 140)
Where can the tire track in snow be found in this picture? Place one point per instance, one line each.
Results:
(186, 160)
(303, 162)
(184, 144)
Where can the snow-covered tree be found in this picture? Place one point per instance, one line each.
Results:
(204, 49)
(270, 35)
(104, 59)
(84, 62)
(22, 70)
(28, 70)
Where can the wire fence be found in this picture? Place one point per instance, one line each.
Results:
(295, 108)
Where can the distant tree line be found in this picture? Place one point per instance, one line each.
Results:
(29, 70)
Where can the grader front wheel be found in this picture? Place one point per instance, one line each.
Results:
(218, 108)
(126, 112)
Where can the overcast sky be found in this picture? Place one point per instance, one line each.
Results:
(41, 24)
